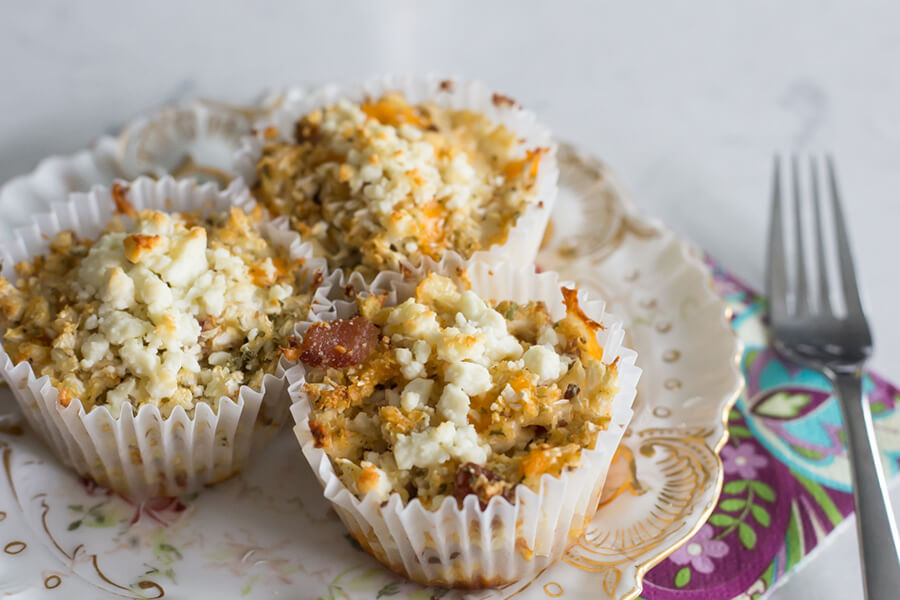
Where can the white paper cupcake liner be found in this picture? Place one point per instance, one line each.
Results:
(197, 137)
(504, 542)
(143, 455)
(524, 239)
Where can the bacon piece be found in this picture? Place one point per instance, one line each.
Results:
(339, 344)
(478, 480)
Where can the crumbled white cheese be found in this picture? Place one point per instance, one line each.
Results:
(118, 396)
(499, 343)
(410, 367)
(218, 358)
(460, 344)
(439, 444)
(543, 362)
(548, 336)
(415, 394)
(469, 339)
(471, 378)
(454, 405)
(414, 320)
(412, 362)
(118, 326)
(93, 349)
(119, 291)
(154, 283)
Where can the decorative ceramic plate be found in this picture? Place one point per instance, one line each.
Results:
(268, 531)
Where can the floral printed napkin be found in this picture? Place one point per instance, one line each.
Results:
(787, 481)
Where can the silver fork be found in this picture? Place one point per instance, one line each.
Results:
(807, 330)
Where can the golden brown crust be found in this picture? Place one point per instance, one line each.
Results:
(320, 435)
(367, 480)
(138, 245)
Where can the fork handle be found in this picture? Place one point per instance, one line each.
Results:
(875, 526)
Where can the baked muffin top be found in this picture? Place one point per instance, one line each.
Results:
(448, 395)
(382, 183)
(163, 309)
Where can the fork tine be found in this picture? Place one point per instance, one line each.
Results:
(845, 257)
(801, 296)
(776, 278)
(824, 297)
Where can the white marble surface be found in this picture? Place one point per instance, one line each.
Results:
(688, 102)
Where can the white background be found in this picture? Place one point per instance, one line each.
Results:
(688, 102)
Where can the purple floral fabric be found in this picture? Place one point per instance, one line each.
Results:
(701, 551)
(787, 482)
(742, 460)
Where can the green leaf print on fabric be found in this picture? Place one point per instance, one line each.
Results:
(793, 541)
(742, 508)
(782, 405)
(682, 577)
(732, 504)
(763, 490)
(768, 575)
(721, 520)
(761, 515)
(739, 432)
(747, 536)
(807, 453)
(821, 496)
(735, 487)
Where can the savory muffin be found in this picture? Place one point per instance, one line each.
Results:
(446, 395)
(382, 183)
(163, 309)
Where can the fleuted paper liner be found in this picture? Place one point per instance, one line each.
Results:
(523, 242)
(504, 542)
(143, 454)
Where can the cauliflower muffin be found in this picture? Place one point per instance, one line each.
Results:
(446, 394)
(162, 309)
(383, 183)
